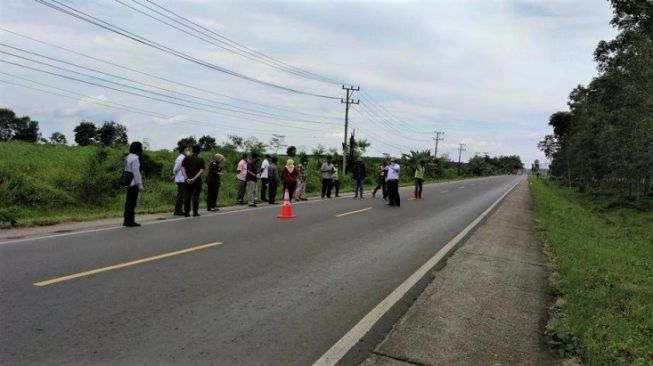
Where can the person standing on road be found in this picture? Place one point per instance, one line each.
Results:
(381, 173)
(335, 177)
(273, 181)
(133, 166)
(300, 194)
(327, 180)
(213, 181)
(392, 181)
(252, 178)
(193, 167)
(241, 182)
(180, 181)
(289, 178)
(419, 178)
(359, 174)
(264, 177)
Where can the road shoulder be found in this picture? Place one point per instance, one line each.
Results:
(489, 304)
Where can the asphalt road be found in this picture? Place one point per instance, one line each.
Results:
(274, 292)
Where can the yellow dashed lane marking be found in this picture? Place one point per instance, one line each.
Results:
(353, 212)
(123, 265)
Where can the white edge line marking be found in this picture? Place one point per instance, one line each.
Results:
(352, 337)
(172, 219)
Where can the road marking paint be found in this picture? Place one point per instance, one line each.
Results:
(461, 187)
(353, 212)
(412, 199)
(123, 265)
(445, 191)
(355, 334)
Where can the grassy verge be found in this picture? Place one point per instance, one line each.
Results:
(604, 262)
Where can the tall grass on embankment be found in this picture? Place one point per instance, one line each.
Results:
(602, 249)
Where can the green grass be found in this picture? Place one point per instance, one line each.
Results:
(604, 263)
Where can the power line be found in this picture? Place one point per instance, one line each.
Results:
(385, 124)
(158, 77)
(245, 48)
(246, 111)
(142, 95)
(392, 116)
(216, 41)
(120, 106)
(115, 29)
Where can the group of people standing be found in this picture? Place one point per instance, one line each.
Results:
(291, 178)
(189, 168)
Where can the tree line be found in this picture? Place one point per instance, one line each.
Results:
(605, 140)
(14, 128)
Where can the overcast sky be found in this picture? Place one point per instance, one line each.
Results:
(487, 72)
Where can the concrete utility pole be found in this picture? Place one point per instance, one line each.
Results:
(437, 139)
(460, 154)
(347, 101)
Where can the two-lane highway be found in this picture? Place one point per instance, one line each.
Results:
(240, 287)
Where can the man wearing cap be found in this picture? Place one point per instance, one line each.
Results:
(392, 181)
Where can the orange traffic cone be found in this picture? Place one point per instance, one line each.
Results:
(286, 209)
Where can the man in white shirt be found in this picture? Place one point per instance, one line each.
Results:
(327, 178)
(178, 176)
(264, 177)
(392, 182)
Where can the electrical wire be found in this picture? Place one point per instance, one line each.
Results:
(242, 47)
(120, 106)
(161, 78)
(214, 41)
(120, 31)
(247, 111)
(145, 96)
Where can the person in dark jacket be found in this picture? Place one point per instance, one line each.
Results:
(273, 180)
(213, 181)
(133, 165)
(193, 167)
(358, 174)
(289, 177)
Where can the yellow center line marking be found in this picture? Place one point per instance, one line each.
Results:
(412, 198)
(353, 212)
(123, 265)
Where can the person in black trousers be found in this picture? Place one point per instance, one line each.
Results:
(133, 165)
(393, 183)
(273, 181)
(213, 182)
(180, 181)
(264, 177)
(193, 168)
